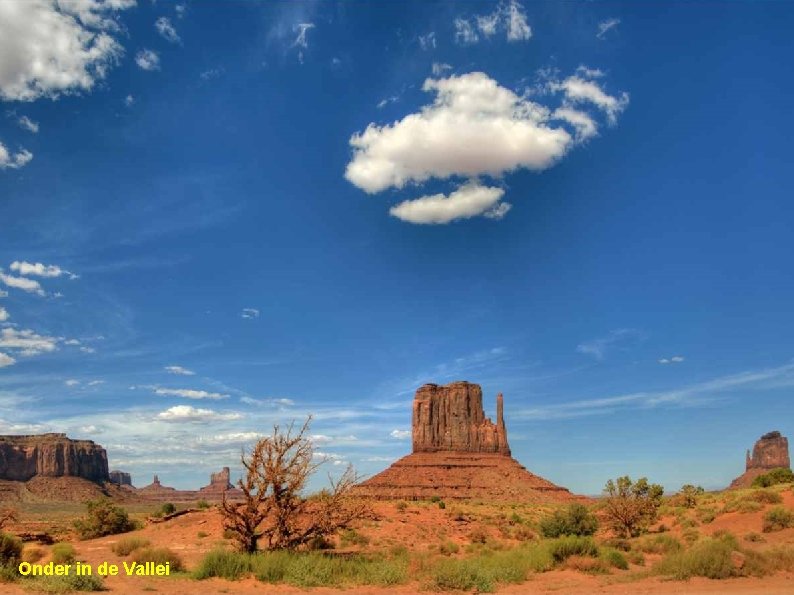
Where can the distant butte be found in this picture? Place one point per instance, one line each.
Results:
(459, 453)
(769, 452)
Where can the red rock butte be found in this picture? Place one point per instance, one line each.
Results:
(769, 452)
(459, 453)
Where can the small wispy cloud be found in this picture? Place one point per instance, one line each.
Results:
(147, 60)
(38, 269)
(189, 393)
(167, 30)
(598, 348)
(509, 17)
(605, 26)
(179, 371)
(400, 434)
(676, 359)
(249, 313)
(129, 101)
(28, 124)
(701, 393)
(428, 41)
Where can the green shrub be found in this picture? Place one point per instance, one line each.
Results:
(614, 558)
(748, 506)
(706, 515)
(629, 506)
(688, 496)
(774, 477)
(658, 544)
(460, 575)
(441, 504)
(63, 553)
(127, 545)
(352, 537)
(576, 519)
(635, 558)
(10, 549)
(158, 555)
(32, 554)
(709, 558)
(202, 504)
(222, 564)
(448, 548)
(435, 499)
(778, 518)
(103, 518)
(168, 508)
(65, 584)
(766, 496)
(571, 545)
(401, 506)
(9, 574)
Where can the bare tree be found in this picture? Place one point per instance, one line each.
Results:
(273, 506)
(7, 515)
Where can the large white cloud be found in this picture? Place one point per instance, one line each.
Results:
(473, 128)
(52, 47)
(186, 413)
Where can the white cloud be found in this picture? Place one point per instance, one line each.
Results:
(28, 124)
(71, 382)
(16, 160)
(27, 342)
(428, 41)
(509, 17)
(590, 73)
(676, 359)
(467, 201)
(166, 30)
(400, 434)
(3, 293)
(95, 382)
(498, 212)
(71, 342)
(281, 402)
(302, 29)
(212, 73)
(180, 10)
(579, 90)
(50, 48)
(179, 371)
(474, 127)
(129, 101)
(439, 68)
(29, 285)
(188, 393)
(605, 26)
(186, 413)
(38, 269)
(147, 60)
(465, 32)
(6, 360)
(4, 315)
(384, 102)
(230, 439)
(598, 348)
(249, 313)
(85, 349)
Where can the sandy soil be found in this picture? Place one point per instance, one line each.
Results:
(421, 526)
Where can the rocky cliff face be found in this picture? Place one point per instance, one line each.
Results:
(121, 478)
(51, 455)
(451, 418)
(219, 482)
(770, 452)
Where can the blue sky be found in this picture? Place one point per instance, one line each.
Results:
(220, 216)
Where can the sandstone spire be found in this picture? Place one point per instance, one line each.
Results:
(769, 452)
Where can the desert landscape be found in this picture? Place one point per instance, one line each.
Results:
(457, 514)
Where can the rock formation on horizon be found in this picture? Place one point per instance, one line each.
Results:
(769, 452)
(120, 478)
(451, 418)
(219, 482)
(51, 455)
(459, 453)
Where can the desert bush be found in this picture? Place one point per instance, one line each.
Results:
(168, 508)
(709, 558)
(754, 537)
(774, 477)
(748, 506)
(706, 515)
(447, 548)
(63, 553)
(630, 507)
(691, 535)
(158, 555)
(352, 537)
(65, 584)
(127, 545)
(32, 554)
(523, 533)
(9, 574)
(777, 518)
(688, 495)
(103, 518)
(769, 561)
(401, 506)
(435, 499)
(614, 558)
(587, 565)
(202, 534)
(223, 564)
(478, 535)
(202, 504)
(766, 496)
(658, 544)
(273, 508)
(635, 557)
(10, 549)
(441, 505)
(571, 545)
(576, 519)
